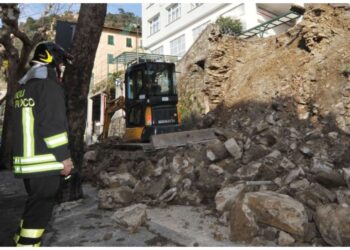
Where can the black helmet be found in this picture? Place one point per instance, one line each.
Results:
(51, 53)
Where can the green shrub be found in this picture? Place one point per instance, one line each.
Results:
(229, 26)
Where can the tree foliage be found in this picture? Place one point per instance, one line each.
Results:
(122, 20)
(229, 26)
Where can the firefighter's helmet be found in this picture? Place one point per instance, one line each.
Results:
(51, 53)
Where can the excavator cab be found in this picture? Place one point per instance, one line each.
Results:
(150, 100)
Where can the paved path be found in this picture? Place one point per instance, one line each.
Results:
(81, 223)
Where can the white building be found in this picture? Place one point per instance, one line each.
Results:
(171, 28)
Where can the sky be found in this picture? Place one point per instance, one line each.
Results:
(35, 10)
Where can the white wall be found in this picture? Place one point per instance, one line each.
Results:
(248, 12)
(189, 20)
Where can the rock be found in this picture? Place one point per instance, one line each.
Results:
(299, 184)
(261, 126)
(123, 179)
(343, 197)
(285, 239)
(216, 151)
(315, 195)
(306, 151)
(269, 208)
(226, 196)
(156, 186)
(293, 174)
(161, 166)
(255, 153)
(333, 135)
(132, 217)
(333, 222)
(249, 172)
(326, 174)
(287, 164)
(112, 197)
(233, 148)
(90, 156)
(168, 195)
(216, 169)
(269, 233)
(243, 227)
(189, 197)
(208, 182)
(346, 173)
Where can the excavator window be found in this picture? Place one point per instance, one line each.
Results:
(160, 79)
(135, 84)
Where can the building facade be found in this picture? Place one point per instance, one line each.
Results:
(171, 28)
(112, 43)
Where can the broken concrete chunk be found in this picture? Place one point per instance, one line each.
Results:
(326, 174)
(343, 197)
(306, 151)
(285, 239)
(216, 169)
(216, 151)
(270, 208)
(90, 155)
(333, 222)
(315, 195)
(346, 173)
(226, 196)
(254, 153)
(249, 172)
(293, 174)
(287, 164)
(132, 217)
(233, 148)
(112, 197)
(299, 184)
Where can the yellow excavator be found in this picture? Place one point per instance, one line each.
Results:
(151, 110)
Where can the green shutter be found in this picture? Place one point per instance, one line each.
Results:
(111, 40)
(128, 42)
(110, 59)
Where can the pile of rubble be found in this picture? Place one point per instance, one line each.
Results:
(269, 181)
(279, 170)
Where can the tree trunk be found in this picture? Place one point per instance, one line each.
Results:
(76, 84)
(6, 137)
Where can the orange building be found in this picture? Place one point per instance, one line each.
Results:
(113, 42)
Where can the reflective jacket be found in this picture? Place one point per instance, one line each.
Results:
(40, 124)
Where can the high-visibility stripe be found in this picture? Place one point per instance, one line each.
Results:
(34, 159)
(56, 140)
(28, 131)
(31, 233)
(24, 169)
(33, 245)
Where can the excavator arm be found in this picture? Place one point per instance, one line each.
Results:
(111, 107)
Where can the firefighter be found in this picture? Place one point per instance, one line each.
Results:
(41, 153)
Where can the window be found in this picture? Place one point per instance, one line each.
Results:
(195, 5)
(110, 58)
(128, 43)
(158, 51)
(160, 79)
(110, 40)
(174, 12)
(154, 25)
(177, 46)
(198, 30)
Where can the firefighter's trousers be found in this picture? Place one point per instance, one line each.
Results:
(38, 209)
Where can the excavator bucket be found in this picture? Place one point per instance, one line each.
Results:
(182, 138)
